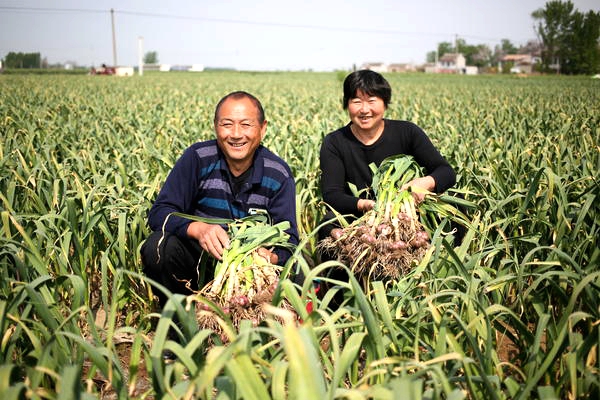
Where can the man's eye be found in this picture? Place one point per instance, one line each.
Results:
(227, 125)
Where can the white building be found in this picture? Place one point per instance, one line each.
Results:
(452, 63)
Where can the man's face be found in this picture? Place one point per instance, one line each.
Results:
(239, 132)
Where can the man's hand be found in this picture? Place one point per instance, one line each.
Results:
(268, 255)
(420, 187)
(212, 237)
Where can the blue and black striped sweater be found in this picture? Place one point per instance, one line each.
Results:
(199, 184)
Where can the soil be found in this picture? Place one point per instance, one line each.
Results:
(141, 388)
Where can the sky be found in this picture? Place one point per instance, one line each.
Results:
(260, 35)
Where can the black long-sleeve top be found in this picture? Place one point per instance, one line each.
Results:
(344, 159)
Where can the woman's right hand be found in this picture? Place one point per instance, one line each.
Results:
(365, 205)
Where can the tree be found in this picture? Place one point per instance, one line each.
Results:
(532, 47)
(23, 60)
(482, 56)
(431, 57)
(444, 48)
(151, 57)
(507, 47)
(504, 48)
(582, 55)
(479, 55)
(569, 38)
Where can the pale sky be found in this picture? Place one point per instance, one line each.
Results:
(320, 35)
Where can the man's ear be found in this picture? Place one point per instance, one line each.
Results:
(263, 130)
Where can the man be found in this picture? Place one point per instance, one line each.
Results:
(229, 177)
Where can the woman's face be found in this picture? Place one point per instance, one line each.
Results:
(366, 112)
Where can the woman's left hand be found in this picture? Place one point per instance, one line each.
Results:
(420, 187)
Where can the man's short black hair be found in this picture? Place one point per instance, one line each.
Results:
(238, 95)
(369, 82)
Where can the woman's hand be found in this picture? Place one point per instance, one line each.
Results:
(420, 187)
(365, 205)
(211, 237)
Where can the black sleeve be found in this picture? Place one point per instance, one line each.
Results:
(428, 156)
(333, 179)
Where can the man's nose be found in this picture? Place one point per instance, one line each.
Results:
(237, 130)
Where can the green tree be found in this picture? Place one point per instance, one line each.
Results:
(481, 56)
(151, 57)
(532, 47)
(582, 55)
(569, 38)
(23, 60)
(507, 47)
(444, 48)
(431, 57)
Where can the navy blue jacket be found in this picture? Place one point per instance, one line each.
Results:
(199, 185)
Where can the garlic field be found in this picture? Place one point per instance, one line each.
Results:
(512, 312)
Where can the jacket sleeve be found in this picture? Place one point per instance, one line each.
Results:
(177, 195)
(282, 207)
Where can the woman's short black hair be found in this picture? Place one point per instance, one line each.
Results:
(369, 82)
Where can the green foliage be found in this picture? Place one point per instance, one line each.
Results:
(511, 312)
(570, 38)
(151, 57)
(23, 60)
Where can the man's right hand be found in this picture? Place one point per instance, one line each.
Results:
(211, 237)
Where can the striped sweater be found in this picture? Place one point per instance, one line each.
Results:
(199, 184)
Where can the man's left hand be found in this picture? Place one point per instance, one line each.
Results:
(268, 255)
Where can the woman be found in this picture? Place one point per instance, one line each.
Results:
(370, 138)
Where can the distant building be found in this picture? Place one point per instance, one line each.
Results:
(124, 71)
(187, 68)
(396, 67)
(375, 66)
(393, 67)
(452, 63)
(519, 63)
(157, 67)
